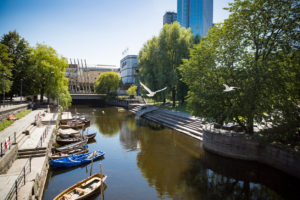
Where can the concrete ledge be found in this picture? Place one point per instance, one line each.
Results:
(239, 147)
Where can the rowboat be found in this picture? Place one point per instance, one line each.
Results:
(72, 146)
(65, 141)
(77, 120)
(90, 136)
(58, 155)
(76, 160)
(66, 133)
(73, 125)
(83, 189)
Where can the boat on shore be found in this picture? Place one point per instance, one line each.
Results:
(76, 160)
(83, 189)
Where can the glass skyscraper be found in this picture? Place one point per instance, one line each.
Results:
(196, 14)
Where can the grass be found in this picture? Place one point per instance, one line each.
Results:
(6, 123)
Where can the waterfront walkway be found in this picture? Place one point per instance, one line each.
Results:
(26, 172)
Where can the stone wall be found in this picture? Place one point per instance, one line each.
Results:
(4, 114)
(8, 158)
(240, 147)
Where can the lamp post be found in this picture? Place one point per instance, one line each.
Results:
(48, 84)
(3, 87)
(21, 89)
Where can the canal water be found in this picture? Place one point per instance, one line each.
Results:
(144, 161)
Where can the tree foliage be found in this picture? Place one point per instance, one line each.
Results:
(19, 53)
(48, 70)
(257, 50)
(5, 69)
(132, 91)
(107, 83)
(161, 56)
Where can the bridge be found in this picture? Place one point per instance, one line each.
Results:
(88, 99)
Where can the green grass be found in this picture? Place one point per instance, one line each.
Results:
(6, 123)
(181, 108)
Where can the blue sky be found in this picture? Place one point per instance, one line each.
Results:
(95, 30)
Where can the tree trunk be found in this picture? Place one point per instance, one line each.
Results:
(173, 96)
(42, 95)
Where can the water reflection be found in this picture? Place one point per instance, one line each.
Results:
(179, 168)
(154, 163)
(109, 121)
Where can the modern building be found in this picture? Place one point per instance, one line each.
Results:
(169, 17)
(195, 14)
(82, 77)
(128, 68)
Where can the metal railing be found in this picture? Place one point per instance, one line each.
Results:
(43, 137)
(19, 182)
(6, 143)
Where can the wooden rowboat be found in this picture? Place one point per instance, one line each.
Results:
(58, 155)
(71, 146)
(67, 141)
(73, 125)
(83, 189)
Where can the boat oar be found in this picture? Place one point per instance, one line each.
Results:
(101, 187)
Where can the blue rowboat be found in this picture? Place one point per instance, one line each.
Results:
(76, 160)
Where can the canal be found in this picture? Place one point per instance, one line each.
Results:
(143, 161)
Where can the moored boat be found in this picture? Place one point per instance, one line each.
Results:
(76, 160)
(66, 133)
(71, 146)
(66, 141)
(90, 136)
(64, 154)
(73, 125)
(83, 189)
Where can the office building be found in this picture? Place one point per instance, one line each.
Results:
(128, 67)
(170, 17)
(195, 14)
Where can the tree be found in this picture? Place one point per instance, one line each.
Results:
(160, 58)
(48, 70)
(132, 91)
(5, 69)
(257, 50)
(107, 83)
(19, 52)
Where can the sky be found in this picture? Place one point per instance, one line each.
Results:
(95, 30)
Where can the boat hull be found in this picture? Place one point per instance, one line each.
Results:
(67, 194)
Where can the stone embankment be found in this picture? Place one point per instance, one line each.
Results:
(24, 163)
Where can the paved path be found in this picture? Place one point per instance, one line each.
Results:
(20, 125)
(13, 106)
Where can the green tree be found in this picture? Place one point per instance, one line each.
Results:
(48, 70)
(257, 50)
(19, 52)
(5, 69)
(160, 58)
(132, 91)
(107, 83)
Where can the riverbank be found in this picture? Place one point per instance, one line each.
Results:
(24, 164)
(225, 143)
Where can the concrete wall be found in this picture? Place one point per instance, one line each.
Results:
(4, 114)
(8, 158)
(240, 147)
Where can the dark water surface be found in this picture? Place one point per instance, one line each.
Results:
(150, 163)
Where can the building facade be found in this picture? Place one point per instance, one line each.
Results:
(195, 14)
(169, 18)
(128, 68)
(82, 77)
